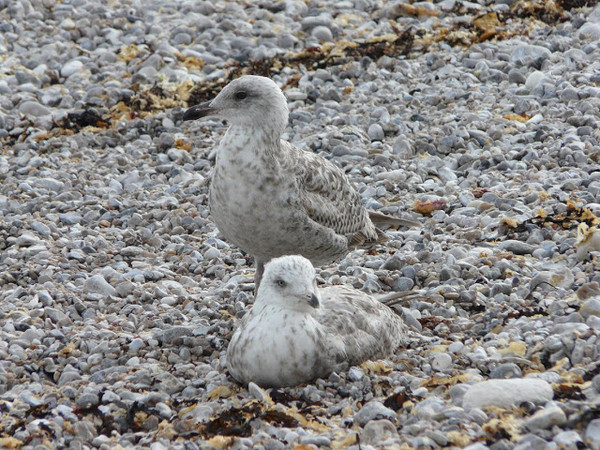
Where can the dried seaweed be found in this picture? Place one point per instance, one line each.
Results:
(398, 44)
(237, 421)
(568, 391)
(396, 400)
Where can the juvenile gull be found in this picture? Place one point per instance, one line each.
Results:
(295, 332)
(270, 198)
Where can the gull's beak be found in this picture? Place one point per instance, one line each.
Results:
(198, 111)
(314, 301)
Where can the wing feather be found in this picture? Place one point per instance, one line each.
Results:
(368, 329)
(329, 199)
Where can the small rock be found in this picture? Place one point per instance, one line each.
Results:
(516, 247)
(375, 132)
(211, 253)
(27, 239)
(590, 307)
(136, 344)
(87, 400)
(70, 218)
(507, 393)
(96, 284)
(70, 68)
(355, 374)
(507, 370)
(257, 392)
(40, 228)
(33, 108)
(535, 78)
(372, 411)
(403, 284)
(568, 439)
(377, 431)
(589, 31)
(592, 434)
(546, 418)
(529, 55)
(319, 441)
(560, 278)
(322, 33)
(441, 362)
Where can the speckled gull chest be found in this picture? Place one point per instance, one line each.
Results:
(254, 201)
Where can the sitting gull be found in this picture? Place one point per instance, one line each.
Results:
(295, 332)
(270, 198)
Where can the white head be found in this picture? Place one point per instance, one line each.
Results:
(246, 101)
(289, 281)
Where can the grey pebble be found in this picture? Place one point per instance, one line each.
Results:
(33, 108)
(516, 247)
(373, 410)
(377, 431)
(546, 418)
(441, 362)
(87, 400)
(375, 132)
(355, 374)
(592, 434)
(590, 307)
(70, 218)
(506, 370)
(96, 284)
(568, 439)
(136, 344)
(71, 67)
(322, 33)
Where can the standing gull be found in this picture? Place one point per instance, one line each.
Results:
(295, 332)
(270, 198)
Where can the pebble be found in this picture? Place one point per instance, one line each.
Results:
(441, 362)
(136, 344)
(546, 418)
(33, 108)
(96, 284)
(71, 67)
(375, 432)
(375, 132)
(507, 393)
(568, 439)
(590, 307)
(516, 247)
(506, 370)
(527, 54)
(373, 410)
(592, 434)
(257, 392)
(87, 401)
(322, 33)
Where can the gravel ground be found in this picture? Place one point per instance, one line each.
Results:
(118, 298)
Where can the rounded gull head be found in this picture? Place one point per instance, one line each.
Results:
(252, 100)
(289, 281)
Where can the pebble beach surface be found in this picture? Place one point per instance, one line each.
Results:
(118, 297)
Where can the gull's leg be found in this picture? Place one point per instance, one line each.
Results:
(260, 268)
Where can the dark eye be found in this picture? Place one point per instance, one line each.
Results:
(280, 283)
(241, 95)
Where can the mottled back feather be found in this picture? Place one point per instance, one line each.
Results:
(328, 198)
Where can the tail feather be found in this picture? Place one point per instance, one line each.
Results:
(381, 219)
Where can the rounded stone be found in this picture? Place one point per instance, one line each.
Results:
(71, 67)
(322, 33)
